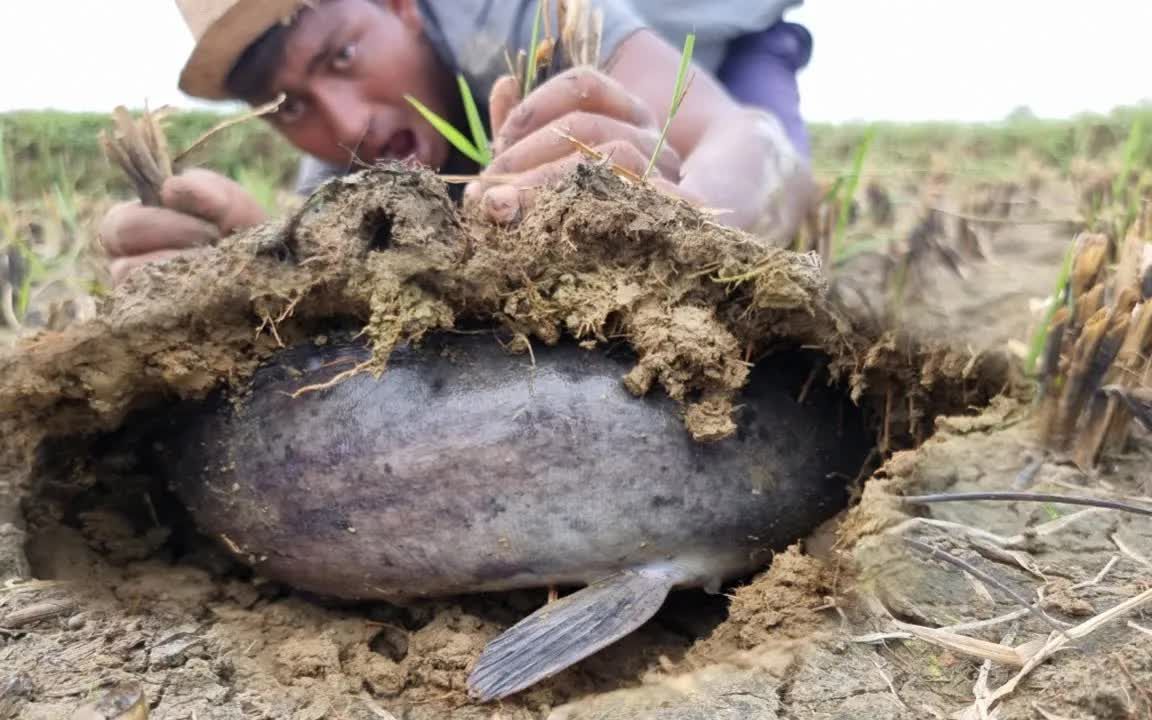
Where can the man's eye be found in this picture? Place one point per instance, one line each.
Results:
(291, 110)
(342, 59)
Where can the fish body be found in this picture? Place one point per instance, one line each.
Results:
(464, 468)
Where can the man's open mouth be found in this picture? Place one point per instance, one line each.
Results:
(401, 145)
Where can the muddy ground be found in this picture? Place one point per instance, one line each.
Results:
(119, 590)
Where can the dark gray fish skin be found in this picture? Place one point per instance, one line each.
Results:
(463, 468)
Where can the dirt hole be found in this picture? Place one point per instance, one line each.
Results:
(101, 514)
(376, 230)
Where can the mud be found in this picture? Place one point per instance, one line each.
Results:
(125, 593)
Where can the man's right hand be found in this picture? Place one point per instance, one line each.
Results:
(200, 207)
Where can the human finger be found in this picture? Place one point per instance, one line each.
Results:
(555, 141)
(502, 100)
(212, 197)
(506, 202)
(130, 229)
(579, 89)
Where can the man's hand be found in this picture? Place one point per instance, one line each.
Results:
(199, 208)
(719, 154)
(531, 145)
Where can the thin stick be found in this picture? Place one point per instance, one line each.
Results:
(336, 380)
(939, 554)
(1057, 641)
(264, 109)
(1139, 688)
(1028, 497)
(991, 622)
(1099, 576)
(1129, 552)
(888, 682)
(1049, 528)
(980, 690)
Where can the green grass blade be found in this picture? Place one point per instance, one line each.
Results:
(1132, 147)
(5, 171)
(530, 68)
(450, 133)
(681, 88)
(848, 189)
(858, 248)
(678, 93)
(1040, 337)
(479, 136)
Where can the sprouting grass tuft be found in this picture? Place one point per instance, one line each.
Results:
(475, 124)
(476, 149)
(531, 71)
(5, 171)
(1040, 337)
(846, 191)
(1133, 146)
(678, 93)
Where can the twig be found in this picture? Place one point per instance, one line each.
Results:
(888, 682)
(37, 612)
(1099, 576)
(1131, 553)
(948, 525)
(1101, 488)
(1140, 628)
(336, 380)
(376, 710)
(981, 624)
(939, 554)
(950, 640)
(1028, 497)
(1057, 641)
(1049, 528)
(1139, 688)
(251, 115)
(980, 690)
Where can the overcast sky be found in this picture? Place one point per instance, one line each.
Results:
(880, 60)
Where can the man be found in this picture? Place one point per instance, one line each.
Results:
(346, 66)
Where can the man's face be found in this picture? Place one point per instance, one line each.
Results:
(347, 66)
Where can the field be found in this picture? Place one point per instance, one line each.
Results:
(984, 285)
(55, 181)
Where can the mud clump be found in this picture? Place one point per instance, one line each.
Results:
(386, 253)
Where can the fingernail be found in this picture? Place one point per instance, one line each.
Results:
(502, 212)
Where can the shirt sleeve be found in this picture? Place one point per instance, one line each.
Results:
(716, 23)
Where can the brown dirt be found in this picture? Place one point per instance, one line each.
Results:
(131, 600)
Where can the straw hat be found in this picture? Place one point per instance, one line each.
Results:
(223, 30)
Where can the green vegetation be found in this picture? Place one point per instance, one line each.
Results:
(986, 149)
(475, 149)
(843, 193)
(678, 93)
(533, 69)
(45, 148)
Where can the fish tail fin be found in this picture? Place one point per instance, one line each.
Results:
(568, 630)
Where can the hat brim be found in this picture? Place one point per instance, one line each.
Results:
(205, 74)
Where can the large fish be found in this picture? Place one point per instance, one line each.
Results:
(464, 468)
